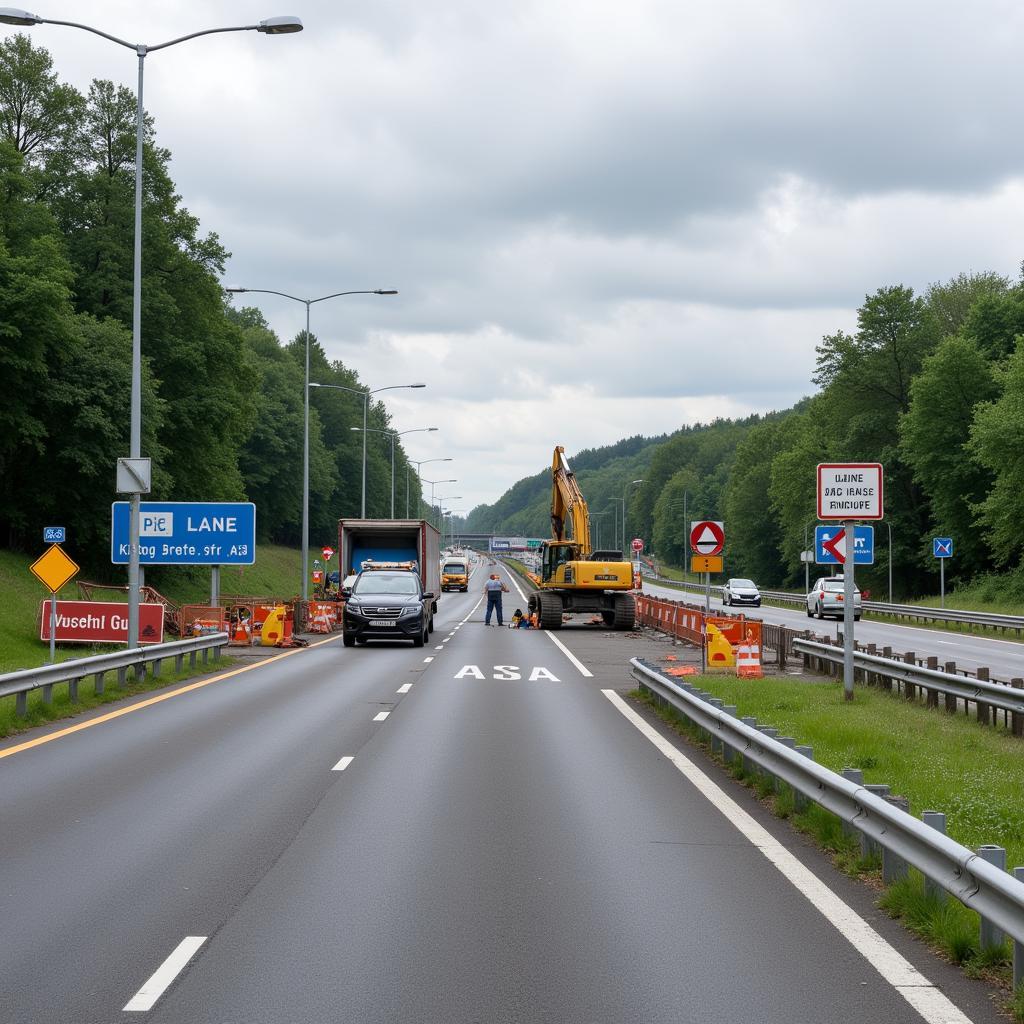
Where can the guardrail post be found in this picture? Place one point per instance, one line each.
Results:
(1017, 720)
(179, 662)
(48, 693)
(73, 690)
(191, 659)
(728, 753)
(122, 678)
(206, 652)
(97, 683)
(990, 934)
(868, 846)
(887, 681)
(745, 763)
(156, 667)
(932, 696)
(771, 734)
(856, 776)
(910, 691)
(716, 740)
(894, 867)
(800, 802)
(950, 700)
(21, 704)
(1018, 947)
(984, 716)
(786, 741)
(937, 821)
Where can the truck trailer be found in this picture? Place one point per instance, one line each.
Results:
(393, 540)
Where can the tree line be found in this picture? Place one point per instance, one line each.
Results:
(222, 397)
(929, 385)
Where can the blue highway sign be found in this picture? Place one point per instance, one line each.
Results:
(186, 533)
(942, 547)
(863, 545)
(53, 534)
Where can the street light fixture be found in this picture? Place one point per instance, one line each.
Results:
(441, 499)
(270, 26)
(394, 434)
(305, 407)
(432, 483)
(419, 479)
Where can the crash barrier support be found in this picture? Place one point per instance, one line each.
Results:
(141, 659)
(968, 876)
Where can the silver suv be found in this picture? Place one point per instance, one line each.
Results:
(740, 591)
(827, 597)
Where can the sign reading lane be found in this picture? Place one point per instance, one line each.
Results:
(850, 490)
(187, 533)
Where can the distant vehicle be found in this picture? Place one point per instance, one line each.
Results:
(740, 591)
(827, 597)
(454, 573)
(387, 602)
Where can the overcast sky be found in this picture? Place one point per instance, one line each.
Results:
(604, 218)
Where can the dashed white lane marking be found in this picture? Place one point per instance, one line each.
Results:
(381, 715)
(404, 688)
(427, 661)
(584, 671)
(342, 764)
(948, 643)
(165, 974)
(439, 647)
(910, 983)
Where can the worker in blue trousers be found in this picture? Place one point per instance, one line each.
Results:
(494, 588)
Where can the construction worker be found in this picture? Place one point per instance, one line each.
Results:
(494, 588)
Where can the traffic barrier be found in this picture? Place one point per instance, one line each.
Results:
(719, 649)
(748, 658)
(201, 620)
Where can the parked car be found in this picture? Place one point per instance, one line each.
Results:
(387, 602)
(739, 591)
(827, 597)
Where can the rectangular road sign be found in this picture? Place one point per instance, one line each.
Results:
(53, 534)
(705, 563)
(101, 622)
(863, 545)
(942, 547)
(850, 490)
(187, 533)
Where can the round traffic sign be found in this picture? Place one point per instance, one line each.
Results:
(328, 554)
(638, 544)
(707, 537)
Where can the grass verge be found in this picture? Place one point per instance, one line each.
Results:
(937, 762)
(62, 706)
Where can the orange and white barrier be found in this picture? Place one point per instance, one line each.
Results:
(748, 658)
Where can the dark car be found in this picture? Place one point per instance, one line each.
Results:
(387, 604)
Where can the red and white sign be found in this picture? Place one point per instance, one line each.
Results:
(707, 537)
(638, 544)
(100, 622)
(328, 554)
(850, 490)
(836, 546)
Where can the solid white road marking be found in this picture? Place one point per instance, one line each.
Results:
(404, 688)
(165, 974)
(915, 988)
(584, 671)
(342, 764)
(381, 715)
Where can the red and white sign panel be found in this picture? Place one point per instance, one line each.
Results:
(328, 553)
(850, 490)
(638, 544)
(707, 537)
(100, 622)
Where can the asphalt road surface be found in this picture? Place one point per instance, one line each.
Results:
(478, 831)
(1005, 658)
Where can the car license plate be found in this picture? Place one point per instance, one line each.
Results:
(381, 622)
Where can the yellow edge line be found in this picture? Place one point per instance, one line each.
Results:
(49, 737)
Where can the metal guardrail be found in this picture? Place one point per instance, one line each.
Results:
(996, 895)
(19, 684)
(921, 613)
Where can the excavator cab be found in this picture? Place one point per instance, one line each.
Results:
(555, 561)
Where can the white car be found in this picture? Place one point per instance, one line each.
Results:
(740, 591)
(827, 597)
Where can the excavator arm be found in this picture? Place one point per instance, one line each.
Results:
(568, 506)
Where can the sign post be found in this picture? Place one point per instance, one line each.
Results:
(707, 538)
(53, 568)
(942, 548)
(847, 492)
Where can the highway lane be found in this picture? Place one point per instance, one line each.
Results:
(1005, 658)
(504, 846)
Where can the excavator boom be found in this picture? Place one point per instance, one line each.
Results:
(568, 506)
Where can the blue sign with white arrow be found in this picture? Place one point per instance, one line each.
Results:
(942, 547)
(186, 533)
(830, 548)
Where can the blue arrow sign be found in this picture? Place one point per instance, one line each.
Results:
(863, 545)
(186, 533)
(942, 547)
(53, 534)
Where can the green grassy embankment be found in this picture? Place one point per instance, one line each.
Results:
(939, 762)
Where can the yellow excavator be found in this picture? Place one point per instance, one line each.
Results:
(573, 577)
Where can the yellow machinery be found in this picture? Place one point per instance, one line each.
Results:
(574, 578)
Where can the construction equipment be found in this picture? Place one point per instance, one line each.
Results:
(573, 577)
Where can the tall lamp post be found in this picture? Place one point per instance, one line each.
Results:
(433, 483)
(305, 409)
(270, 26)
(624, 490)
(394, 434)
(595, 515)
(441, 499)
(419, 479)
(451, 514)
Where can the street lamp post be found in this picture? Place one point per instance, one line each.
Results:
(595, 515)
(305, 409)
(270, 26)
(624, 490)
(394, 434)
(433, 483)
(441, 498)
(451, 514)
(419, 479)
